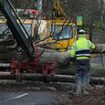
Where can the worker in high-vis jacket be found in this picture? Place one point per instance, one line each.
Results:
(81, 51)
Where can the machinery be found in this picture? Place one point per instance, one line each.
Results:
(56, 32)
(25, 41)
(61, 32)
(59, 40)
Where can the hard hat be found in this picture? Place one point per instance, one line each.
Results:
(81, 31)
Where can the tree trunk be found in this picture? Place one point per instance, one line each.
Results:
(55, 78)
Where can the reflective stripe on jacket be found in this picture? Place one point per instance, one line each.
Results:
(82, 48)
(83, 52)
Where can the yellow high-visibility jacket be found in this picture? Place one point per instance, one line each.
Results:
(81, 48)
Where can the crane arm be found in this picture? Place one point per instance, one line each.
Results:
(15, 25)
(58, 9)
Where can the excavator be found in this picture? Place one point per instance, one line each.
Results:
(25, 43)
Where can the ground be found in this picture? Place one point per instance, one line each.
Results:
(38, 93)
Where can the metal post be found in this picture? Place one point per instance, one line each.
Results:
(92, 21)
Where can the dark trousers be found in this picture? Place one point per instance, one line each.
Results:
(82, 73)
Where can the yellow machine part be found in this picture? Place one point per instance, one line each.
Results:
(61, 44)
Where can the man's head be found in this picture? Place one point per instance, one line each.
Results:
(81, 32)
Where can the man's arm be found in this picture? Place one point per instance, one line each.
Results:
(72, 51)
(92, 45)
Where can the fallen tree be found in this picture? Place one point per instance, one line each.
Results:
(62, 59)
(9, 49)
(55, 78)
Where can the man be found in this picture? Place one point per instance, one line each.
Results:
(81, 51)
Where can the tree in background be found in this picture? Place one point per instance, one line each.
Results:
(93, 11)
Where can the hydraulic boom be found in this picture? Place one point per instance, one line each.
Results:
(17, 28)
